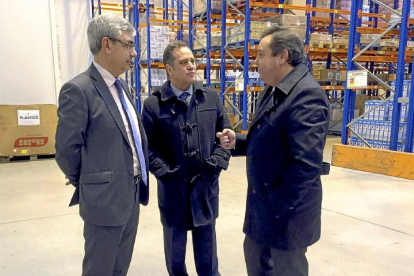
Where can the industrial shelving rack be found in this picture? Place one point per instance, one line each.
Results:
(241, 14)
(402, 61)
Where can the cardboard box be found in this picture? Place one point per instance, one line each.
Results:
(27, 129)
(288, 20)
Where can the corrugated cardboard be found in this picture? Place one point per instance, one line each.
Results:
(21, 140)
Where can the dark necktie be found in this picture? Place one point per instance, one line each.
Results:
(183, 97)
(135, 132)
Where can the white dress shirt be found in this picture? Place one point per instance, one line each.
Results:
(110, 82)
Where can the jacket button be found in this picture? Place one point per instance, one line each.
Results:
(277, 217)
(254, 191)
(291, 208)
(266, 184)
(258, 126)
(131, 173)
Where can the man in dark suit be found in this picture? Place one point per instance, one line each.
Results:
(181, 120)
(101, 147)
(284, 150)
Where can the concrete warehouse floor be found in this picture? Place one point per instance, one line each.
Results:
(367, 224)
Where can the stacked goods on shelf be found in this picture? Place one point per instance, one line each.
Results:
(201, 42)
(200, 7)
(368, 38)
(375, 128)
(319, 40)
(158, 77)
(324, 4)
(159, 36)
(300, 3)
(321, 74)
(238, 34)
(296, 23)
(346, 6)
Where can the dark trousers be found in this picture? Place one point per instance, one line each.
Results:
(204, 246)
(108, 249)
(265, 261)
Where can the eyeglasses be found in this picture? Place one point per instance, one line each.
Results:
(129, 45)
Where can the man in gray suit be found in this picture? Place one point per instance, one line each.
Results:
(101, 147)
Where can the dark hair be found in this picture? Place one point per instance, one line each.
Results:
(285, 39)
(168, 56)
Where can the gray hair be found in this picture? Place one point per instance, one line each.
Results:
(106, 25)
(285, 39)
(168, 56)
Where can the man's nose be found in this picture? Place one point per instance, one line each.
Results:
(134, 52)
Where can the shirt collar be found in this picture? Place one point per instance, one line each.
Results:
(107, 77)
(292, 78)
(178, 92)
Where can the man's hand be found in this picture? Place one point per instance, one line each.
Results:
(67, 182)
(227, 138)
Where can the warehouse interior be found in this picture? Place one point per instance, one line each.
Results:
(358, 50)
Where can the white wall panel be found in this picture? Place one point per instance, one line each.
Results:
(27, 73)
(72, 19)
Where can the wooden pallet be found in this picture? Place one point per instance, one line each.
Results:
(388, 48)
(33, 157)
(339, 46)
(321, 45)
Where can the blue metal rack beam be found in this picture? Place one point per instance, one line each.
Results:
(396, 112)
(93, 8)
(222, 50)
(190, 24)
(137, 68)
(410, 118)
(147, 6)
(208, 65)
(308, 30)
(349, 100)
(180, 17)
(246, 62)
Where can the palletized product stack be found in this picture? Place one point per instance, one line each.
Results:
(158, 77)
(296, 23)
(159, 40)
(256, 31)
(375, 128)
(200, 7)
(346, 6)
(324, 4)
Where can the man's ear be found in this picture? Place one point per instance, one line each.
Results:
(106, 45)
(168, 68)
(284, 56)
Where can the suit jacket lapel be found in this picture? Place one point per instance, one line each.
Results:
(103, 90)
(264, 103)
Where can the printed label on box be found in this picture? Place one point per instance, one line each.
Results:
(28, 117)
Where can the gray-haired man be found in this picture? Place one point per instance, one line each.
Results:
(284, 150)
(101, 147)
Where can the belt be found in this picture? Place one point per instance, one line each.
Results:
(137, 179)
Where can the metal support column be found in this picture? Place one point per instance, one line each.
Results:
(396, 112)
(137, 68)
(349, 100)
(308, 5)
(180, 18)
(190, 24)
(222, 50)
(99, 7)
(147, 6)
(208, 64)
(246, 62)
(93, 8)
(410, 119)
